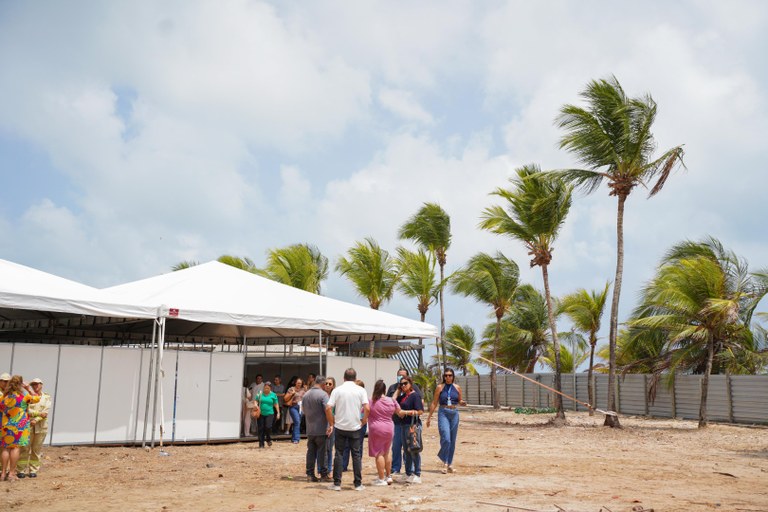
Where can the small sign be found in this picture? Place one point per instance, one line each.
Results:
(173, 312)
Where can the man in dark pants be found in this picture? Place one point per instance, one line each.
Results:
(314, 403)
(343, 411)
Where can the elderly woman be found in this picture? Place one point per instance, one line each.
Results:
(15, 424)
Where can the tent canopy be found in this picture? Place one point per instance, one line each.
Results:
(214, 299)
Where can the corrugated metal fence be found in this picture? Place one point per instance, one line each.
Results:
(737, 398)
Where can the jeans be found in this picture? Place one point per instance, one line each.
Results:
(329, 450)
(316, 455)
(412, 460)
(296, 427)
(354, 440)
(398, 451)
(346, 450)
(265, 428)
(448, 426)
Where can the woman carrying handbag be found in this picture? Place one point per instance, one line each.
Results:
(411, 408)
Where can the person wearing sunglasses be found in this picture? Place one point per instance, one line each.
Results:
(330, 385)
(448, 396)
(411, 406)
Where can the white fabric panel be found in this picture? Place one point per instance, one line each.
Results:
(141, 398)
(120, 386)
(386, 369)
(76, 395)
(226, 389)
(6, 354)
(192, 396)
(336, 366)
(35, 360)
(368, 370)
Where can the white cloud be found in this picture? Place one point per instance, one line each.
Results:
(403, 104)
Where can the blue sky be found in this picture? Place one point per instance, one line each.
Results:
(137, 134)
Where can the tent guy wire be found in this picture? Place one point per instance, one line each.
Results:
(513, 372)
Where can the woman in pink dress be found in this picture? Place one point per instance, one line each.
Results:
(381, 428)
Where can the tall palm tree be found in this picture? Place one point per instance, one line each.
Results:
(572, 353)
(373, 273)
(460, 357)
(612, 138)
(430, 228)
(525, 333)
(536, 209)
(417, 280)
(301, 266)
(585, 310)
(702, 298)
(493, 281)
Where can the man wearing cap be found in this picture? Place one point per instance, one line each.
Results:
(4, 380)
(31, 454)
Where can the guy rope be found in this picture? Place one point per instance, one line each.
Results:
(513, 372)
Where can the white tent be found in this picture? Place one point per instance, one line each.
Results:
(214, 299)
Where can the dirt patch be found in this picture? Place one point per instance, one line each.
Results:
(504, 461)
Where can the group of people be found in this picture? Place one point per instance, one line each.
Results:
(24, 409)
(337, 417)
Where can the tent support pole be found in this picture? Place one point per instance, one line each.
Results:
(320, 335)
(161, 376)
(149, 382)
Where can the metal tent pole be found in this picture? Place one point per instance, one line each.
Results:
(149, 382)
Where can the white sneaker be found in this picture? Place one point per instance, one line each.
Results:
(360, 487)
(379, 482)
(413, 479)
(334, 488)
(389, 480)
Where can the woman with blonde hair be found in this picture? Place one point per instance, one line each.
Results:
(15, 424)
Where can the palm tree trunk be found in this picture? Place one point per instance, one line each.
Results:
(555, 345)
(705, 382)
(421, 345)
(442, 319)
(590, 383)
(494, 389)
(613, 421)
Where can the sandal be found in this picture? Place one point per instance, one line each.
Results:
(444, 469)
(451, 470)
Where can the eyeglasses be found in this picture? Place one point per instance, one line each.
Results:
(329, 383)
(403, 384)
(448, 375)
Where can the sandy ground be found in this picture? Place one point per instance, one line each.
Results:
(504, 461)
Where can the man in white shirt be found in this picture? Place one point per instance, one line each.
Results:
(348, 410)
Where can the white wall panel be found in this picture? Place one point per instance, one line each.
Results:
(120, 386)
(6, 355)
(33, 360)
(226, 389)
(191, 396)
(74, 413)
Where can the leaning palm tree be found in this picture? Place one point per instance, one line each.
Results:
(462, 343)
(430, 228)
(525, 333)
(417, 281)
(585, 310)
(493, 281)
(301, 266)
(536, 209)
(702, 298)
(373, 273)
(612, 138)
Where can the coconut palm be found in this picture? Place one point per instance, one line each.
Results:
(372, 272)
(536, 209)
(573, 353)
(430, 228)
(417, 281)
(493, 281)
(612, 138)
(301, 266)
(460, 356)
(243, 263)
(702, 298)
(585, 310)
(525, 333)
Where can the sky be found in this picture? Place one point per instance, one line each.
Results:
(138, 134)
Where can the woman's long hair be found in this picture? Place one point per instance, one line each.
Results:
(14, 385)
(378, 390)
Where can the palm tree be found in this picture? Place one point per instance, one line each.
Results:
(572, 353)
(243, 263)
(430, 228)
(301, 266)
(493, 281)
(537, 208)
(702, 298)
(417, 280)
(373, 273)
(525, 333)
(460, 356)
(585, 310)
(612, 138)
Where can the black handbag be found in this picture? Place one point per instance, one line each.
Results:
(413, 437)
